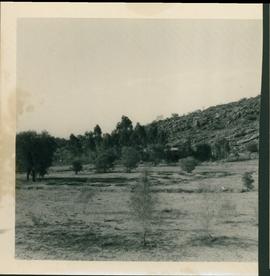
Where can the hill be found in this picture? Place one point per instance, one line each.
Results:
(237, 121)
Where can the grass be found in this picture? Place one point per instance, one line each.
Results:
(88, 217)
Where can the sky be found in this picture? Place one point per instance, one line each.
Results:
(75, 73)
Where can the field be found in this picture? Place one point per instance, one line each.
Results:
(87, 216)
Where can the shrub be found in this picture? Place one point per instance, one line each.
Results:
(156, 153)
(142, 205)
(252, 147)
(248, 180)
(130, 158)
(203, 152)
(77, 166)
(221, 148)
(104, 160)
(188, 164)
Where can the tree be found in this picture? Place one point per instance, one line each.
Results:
(156, 153)
(188, 164)
(77, 166)
(203, 152)
(75, 145)
(97, 135)
(124, 131)
(138, 137)
(221, 148)
(130, 158)
(104, 160)
(34, 153)
(142, 205)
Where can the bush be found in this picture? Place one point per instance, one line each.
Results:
(248, 180)
(77, 166)
(104, 160)
(252, 147)
(221, 148)
(142, 205)
(188, 164)
(203, 152)
(130, 158)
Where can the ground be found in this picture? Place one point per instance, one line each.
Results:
(198, 216)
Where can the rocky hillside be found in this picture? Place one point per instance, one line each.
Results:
(237, 121)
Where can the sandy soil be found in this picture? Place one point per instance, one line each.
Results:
(87, 217)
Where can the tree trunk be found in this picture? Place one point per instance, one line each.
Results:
(28, 174)
(33, 175)
(144, 238)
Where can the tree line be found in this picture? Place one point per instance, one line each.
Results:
(129, 145)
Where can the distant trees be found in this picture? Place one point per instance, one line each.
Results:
(142, 205)
(130, 158)
(34, 153)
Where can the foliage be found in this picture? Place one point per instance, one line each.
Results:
(188, 164)
(202, 152)
(252, 147)
(221, 148)
(77, 166)
(130, 158)
(104, 160)
(34, 152)
(142, 204)
(155, 153)
(248, 180)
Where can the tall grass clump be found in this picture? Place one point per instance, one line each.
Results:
(248, 181)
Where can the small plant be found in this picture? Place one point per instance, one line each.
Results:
(77, 166)
(130, 158)
(248, 180)
(188, 164)
(142, 205)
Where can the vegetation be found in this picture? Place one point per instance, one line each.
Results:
(188, 164)
(34, 153)
(130, 158)
(142, 205)
(104, 161)
(248, 181)
(77, 166)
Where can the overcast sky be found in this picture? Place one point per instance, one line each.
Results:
(80, 72)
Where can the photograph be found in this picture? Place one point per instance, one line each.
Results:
(136, 138)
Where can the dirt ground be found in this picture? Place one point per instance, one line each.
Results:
(88, 216)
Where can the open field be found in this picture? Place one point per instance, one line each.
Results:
(87, 216)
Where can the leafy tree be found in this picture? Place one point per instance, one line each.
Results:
(75, 145)
(34, 153)
(156, 153)
(104, 160)
(188, 164)
(97, 135)
(221, 148)
(203, 152)
(77, 166)
(138, 136)
(142, 205)
(124, 131)
(130, 158)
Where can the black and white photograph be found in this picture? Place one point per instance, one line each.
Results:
(137, 139)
